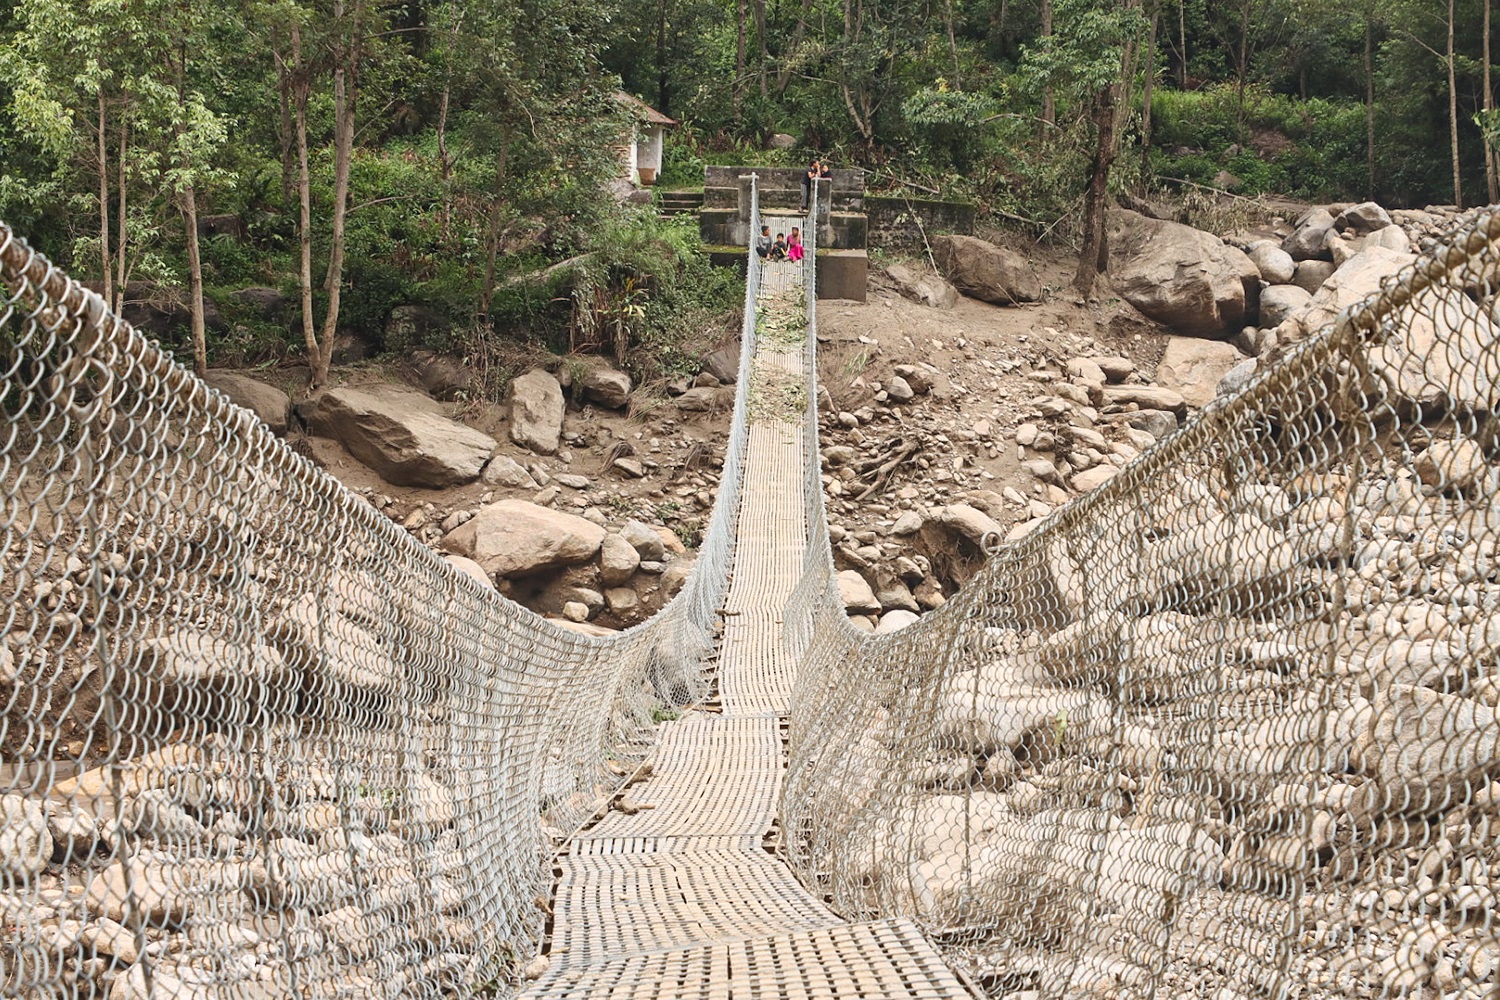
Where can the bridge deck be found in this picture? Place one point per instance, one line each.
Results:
(682, 899)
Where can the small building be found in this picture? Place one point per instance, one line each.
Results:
(642, 153)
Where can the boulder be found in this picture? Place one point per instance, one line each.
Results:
(1451, 464)
(1281, 302)
(1275, 264)
(1090, 479)
(25, 842)
(646, 540)
(442, 376)
(856, 594)
(1442, 351)
(1352, 283)
(618, 561)
(981, 270)
(607, 387)
(1189, 280)
(1147, 397)
(1307, 242)
(1391, 237)
(927, 289)
(1157, 423)
(401, 434)
(469, 568)
(967, 522)
(265, 303)
(1194, 367)
(503, 470)
(1311, 274)
(723, 362)
(272, 406)
(1237, 377)
(515, 538)
(1366, 217)
(703, 399)
(895, 621)
(536, 412)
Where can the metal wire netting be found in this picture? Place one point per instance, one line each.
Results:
(255, 740)
(1226, 727)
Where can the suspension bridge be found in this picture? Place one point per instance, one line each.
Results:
(1225, 727)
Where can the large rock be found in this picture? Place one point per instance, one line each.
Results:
(1194, 367)
(618, 561)
(968, 523)
(270, 404)
(1147, 397)
(503, 470)
(1366, 217)
(1442, 351)
(1281, 302)
(1275, 265)
(1190, 280)
(536, 412)
(723, 362)
(607, 387)
(981, 270)
(1391, 237)
(401, 434)
(1352, 283)
(646, 540)
(856, 594)
(1307, 242)
(516, 538)
(927, 289)
(1312, 273)
(25, 843)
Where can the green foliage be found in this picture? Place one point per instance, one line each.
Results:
(1308, 149)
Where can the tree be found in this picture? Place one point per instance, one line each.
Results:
(1091, 52)
(108, 87)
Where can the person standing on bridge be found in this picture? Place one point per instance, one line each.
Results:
(818, 171)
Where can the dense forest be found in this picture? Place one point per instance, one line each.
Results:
(450, 163)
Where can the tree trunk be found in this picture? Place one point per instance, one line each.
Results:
(737, 88)
(952, 44)
(345, 93)
(1241, 71)
(105, 256)
(784, 74)
(304, 213)
(1049, 108)
(1458, 193)
(195, 281)
(760, 34)
(1369, 60)
(1093, 258)
(663, 98)
(122, 238)
(1182, 53)
(284, 128)
(1150, 82)
(1492, 182)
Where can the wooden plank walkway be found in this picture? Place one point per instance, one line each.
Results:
(682, 899)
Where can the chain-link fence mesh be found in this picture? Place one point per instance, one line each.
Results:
(1226, 727)
(255, 740)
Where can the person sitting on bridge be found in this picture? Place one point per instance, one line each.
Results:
(763, 242)
(778, 249)
(794, 245)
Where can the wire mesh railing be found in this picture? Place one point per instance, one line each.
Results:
(255, 740)
(1225, 727)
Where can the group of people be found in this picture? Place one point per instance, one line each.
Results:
(783, 247)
